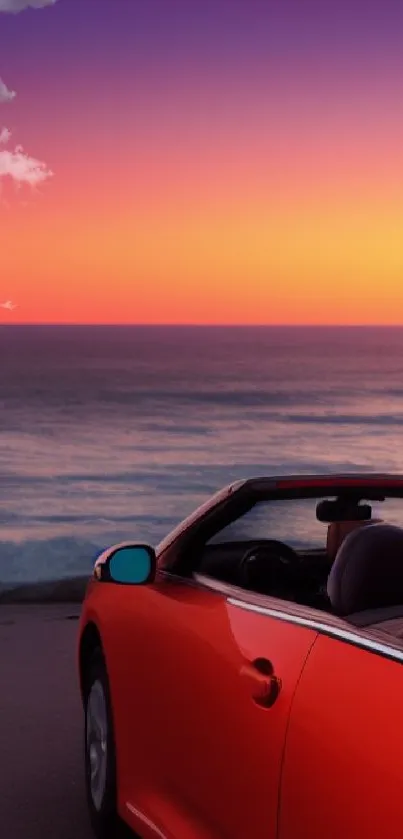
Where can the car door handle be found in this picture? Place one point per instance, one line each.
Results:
(262, 683)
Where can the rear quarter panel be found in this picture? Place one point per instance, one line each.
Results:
(343, 767)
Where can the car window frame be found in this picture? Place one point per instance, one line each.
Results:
(234, 500)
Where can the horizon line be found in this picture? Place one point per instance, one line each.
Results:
(190, 325)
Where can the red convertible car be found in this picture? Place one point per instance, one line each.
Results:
(244, 680)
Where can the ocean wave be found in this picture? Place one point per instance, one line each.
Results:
(182, 479)
(205, 419)
(76, 519)
(41, 560)
(61, 557)
(345, 419)
(172, 400)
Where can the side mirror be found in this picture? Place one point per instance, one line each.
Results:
(126, 564)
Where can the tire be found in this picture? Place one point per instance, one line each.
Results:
(99, 750)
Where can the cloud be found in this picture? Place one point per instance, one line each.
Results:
(16, 164)
(15, 6)
(20, 167)
(5, 136)
(6, 95)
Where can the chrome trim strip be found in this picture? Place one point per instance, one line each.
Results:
(145, 820)
(324, 628)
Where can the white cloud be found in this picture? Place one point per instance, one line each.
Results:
(5, 136)
(16, 164)
(20, 167)
(15, 6)
(6, 95)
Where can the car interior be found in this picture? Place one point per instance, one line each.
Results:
(357, 574)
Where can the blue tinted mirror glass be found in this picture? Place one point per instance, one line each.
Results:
(131, 565)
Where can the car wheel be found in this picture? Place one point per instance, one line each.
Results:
(100, 761)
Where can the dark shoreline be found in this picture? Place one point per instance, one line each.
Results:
(70, 590)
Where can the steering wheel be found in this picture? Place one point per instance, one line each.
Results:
(269, 568)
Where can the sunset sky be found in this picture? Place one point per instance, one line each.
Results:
(204, 161)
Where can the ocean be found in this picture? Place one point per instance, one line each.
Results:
(110, 433)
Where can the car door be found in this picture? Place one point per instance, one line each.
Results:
(208, 693)
(343, 763)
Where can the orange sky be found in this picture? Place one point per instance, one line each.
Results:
(310, 260)
(235, 198)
